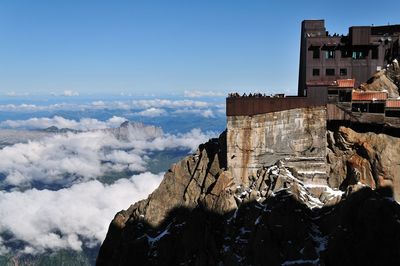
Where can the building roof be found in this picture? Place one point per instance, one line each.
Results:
(368, 96)
(345, 83)
(393, 103)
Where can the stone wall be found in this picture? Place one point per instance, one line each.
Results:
(297, 137)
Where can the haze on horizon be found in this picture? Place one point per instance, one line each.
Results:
(141, 47)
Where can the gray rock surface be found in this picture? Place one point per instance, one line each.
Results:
(296, 136)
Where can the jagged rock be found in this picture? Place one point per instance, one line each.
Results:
(135, 130)
(385, 80)
(221, 198)
(369, 158)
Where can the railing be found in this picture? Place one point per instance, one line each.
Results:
(254, 104)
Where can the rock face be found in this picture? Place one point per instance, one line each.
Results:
(385, 80)
(135, 130)
(201, 215)
(367, 158)
(297, 136)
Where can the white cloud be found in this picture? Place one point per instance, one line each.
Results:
(137, 105)
(61, 122)
(165, 103)
(197, 94)
(191, 140)
(17, 94)
(152, 112)
(207, 113)
(70, 93)
(69, 218)
(98, 103)
(33, 107)
(63, 158)
(77, 215)
(71, 157)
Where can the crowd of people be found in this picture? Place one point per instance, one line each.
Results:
(253, 95)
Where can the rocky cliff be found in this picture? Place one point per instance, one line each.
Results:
(363, 158)
(387, 79)
(202, 215)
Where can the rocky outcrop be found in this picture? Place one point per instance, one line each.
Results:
(198, 179)
(201, 215)
(385, 80)
(135, 130)
(367, 158)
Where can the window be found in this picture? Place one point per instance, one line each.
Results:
(343, 71)
(375, 53)
(359, 107)
(345, 53)
(330, 71)
(393, 113)
(376, 108)
(345, 96)
(315, 53)
(315, 72)
(359, 55)
(330, 54)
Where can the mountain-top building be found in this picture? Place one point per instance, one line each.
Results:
(343, 80)
(326, 57)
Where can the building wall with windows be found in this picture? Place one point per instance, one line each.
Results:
(326, 57)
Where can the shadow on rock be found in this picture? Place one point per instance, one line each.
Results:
(362, 229)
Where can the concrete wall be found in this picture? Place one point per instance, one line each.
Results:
(296, 136)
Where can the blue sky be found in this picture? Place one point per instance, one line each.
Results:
(164, 47)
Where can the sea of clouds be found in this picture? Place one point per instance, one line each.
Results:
(78, 212)
(69, 218)
(71, 156)
(144, 107)
(61, 122)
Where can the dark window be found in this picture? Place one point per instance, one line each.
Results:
(393, 113)
(345, 53)
(330, 72)
(315, 53)
(333, 92)
(330, 54)
(368, 107)
(359, 107)
(375, 53)
(315, 72)
(345, 96)
(343, 71)
(376, 108)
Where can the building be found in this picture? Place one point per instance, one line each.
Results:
(262, 129)
(326, 57)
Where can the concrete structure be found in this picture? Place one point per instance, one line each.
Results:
(296, 136)
(325, 58)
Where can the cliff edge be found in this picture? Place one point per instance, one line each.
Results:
(201, 215)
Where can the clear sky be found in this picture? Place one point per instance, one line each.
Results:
(164, 46)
